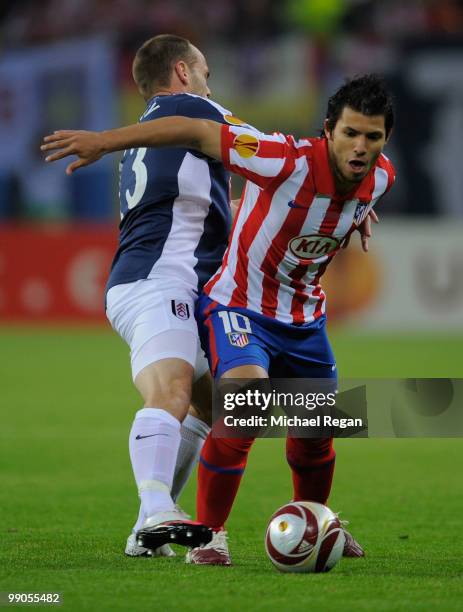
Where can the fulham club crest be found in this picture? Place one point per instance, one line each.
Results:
(180, 309)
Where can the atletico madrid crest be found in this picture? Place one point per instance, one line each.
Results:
(361, 212)
(239, 340)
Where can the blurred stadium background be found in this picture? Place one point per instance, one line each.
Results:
(67, 63)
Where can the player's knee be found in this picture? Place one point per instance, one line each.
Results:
(166, 387)
(171, 393)
(174, 397)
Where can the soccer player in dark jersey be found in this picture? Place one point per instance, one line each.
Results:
(175, 223)
(320, 188)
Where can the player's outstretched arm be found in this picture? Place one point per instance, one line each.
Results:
(200, 134)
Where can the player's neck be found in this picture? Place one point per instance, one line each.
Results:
(169, 91)
(341, 186)
(166, 92)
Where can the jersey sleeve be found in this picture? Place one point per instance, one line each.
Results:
(386, 164)
(264, 159)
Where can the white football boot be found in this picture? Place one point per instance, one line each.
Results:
(351, 547)
(214, 553)
(172, 527)
(132, 549)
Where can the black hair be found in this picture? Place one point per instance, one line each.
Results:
(366, 94)
(154, 60)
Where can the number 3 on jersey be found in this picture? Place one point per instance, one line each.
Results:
(141, 178)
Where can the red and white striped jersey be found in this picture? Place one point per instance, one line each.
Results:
(290, 223)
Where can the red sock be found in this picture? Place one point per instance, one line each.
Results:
(312, 465)
(221, 466)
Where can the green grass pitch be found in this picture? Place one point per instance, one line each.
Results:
(67, 500)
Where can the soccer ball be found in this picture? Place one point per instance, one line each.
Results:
(304, 537)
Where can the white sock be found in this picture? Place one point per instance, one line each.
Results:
(153, 444)
(140, 520)
(193, 432)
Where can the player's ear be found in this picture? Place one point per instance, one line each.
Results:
(181, 70)
(388, 136)
(326, 129)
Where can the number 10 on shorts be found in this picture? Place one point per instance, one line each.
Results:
(235, 322)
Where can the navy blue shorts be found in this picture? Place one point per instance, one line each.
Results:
(234, 337)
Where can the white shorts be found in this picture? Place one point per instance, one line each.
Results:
(157, 321)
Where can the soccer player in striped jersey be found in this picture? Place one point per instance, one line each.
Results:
(264, 310)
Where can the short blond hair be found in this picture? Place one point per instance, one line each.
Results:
(155, 59)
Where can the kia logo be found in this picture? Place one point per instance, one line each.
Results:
(313, 247)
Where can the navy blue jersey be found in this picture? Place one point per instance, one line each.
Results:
(174, 204)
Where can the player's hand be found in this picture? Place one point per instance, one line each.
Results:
(88, 146)
(365, 230)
